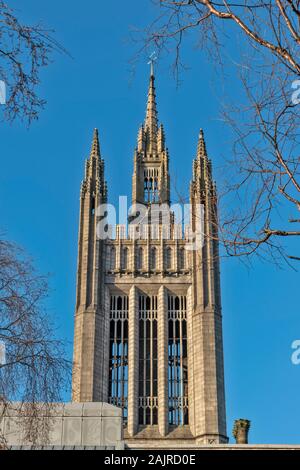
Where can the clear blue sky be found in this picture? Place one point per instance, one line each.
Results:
(41, 171)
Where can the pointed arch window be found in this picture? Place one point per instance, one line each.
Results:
(124, 258)
(111, 258)
(93, 205)
(181, 258)
(168, 258)
(155, 191)
(153, 258)
(140, 258)
(151, 186)
(118, 354)
(177, 361)
(148, 390)
(146, 189)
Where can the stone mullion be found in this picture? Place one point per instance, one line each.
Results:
(134, 247)
(161, 253)
(118, 255)
(162, 361)
(176, 266)
(190, 359)
(148, 248)
(133, 361)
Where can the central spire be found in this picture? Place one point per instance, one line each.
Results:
(151, 180)
(95, 150)
(151, 121)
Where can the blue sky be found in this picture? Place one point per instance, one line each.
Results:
(42, 167)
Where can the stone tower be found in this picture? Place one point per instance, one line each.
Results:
(148, 323)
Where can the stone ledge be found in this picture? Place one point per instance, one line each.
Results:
(190, 446)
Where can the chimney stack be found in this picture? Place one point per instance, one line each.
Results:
(240, 430)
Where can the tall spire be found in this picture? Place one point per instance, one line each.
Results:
(202, 158)
(201, 150)
(94, 170)
(151, 121)
(95, 150)
(151, 180)
(202, 173)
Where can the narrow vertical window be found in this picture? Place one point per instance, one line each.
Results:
(156, 193)
(112, 259)
(124, 258)
(177, 361)
(148, 403)
(181, 258)
(168, 258)
(93, 205)
(153, 258)
(140, 258)
(118, 354)
(146, 190)
(151, 191)
(107, 259)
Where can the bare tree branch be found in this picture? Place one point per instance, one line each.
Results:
(24, 51)
(263, 183)
(35, 370)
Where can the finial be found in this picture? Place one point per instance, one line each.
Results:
(201, 145)
(95, 144)
(151, 121)
(152, 59)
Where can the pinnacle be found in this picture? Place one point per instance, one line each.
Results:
(95, 150)
(201, 150)
(151, 121)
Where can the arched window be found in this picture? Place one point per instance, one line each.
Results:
(151, 191)
(177, 361)
(93, 206)
(181, 258)
(111, 258)
(155, 193)
(148, 389)
(168, 258)
(140, 258)
(119, 303)
(124, 258)
(118, 354)
(146, 190)
(153, 258)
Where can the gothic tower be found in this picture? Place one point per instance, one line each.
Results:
(148, 323)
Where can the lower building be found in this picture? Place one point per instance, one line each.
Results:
(62, 426)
